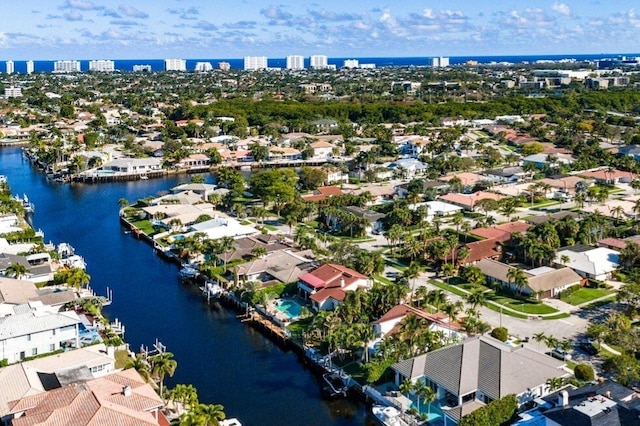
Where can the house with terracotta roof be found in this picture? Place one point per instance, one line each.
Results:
(388, 323)
(544, 282)
(502, 232)
(122, 398)
(283, 153)
(327, 285)
(467, 179)
(478, 250)
(469, 201)
(322, 149)
(479, 370)
(323, 193)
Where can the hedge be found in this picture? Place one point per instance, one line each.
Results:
(496, 412)
(500, 333)
(584, 372)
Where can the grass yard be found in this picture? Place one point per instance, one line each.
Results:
(523, 306)
(145, 226)
(122, 357)
(585, 294)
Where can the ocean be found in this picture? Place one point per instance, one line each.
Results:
(238, 63)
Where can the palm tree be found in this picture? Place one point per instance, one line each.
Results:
(141, 365)
(161, 365)
(211, 413)
(406, 387)
(539, 337)
(518, 277)
(258, 251)
(426, 394)
(452, 310)
(185, 395)
(411, 273)
(448, 270)
(225, 244)
(16, 270)
(476, 297)
(555, 383)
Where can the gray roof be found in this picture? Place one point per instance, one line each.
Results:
(482, 363)
(34, 321)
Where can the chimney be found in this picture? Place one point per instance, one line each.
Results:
(126, 390)
(342, 282)
(608, 394)
(563, 398)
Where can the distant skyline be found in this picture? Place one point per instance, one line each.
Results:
(104, 29)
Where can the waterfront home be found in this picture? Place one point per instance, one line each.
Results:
(327, 285)
(39, 266)
(244, 247)
(194, 161)
(596, 263)
(129, 166)
(202, 189)
(220, 227)
(543, 282)
(122, 398)
(388, 323)
(469, 201)
(479, 370)
(322, 150)
(277, 153)
(35, 329)
(44, 373)
(19, 292)
(277, 267)
(183, 214)
(9, 223)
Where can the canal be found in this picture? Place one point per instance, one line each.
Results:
(227, 361)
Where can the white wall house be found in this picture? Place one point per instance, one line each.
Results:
(33, 330)
(133, 165)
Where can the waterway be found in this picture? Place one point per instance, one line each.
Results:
(227, 361)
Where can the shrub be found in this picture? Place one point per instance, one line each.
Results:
(496, 412)
(584, 372)
(500, 333)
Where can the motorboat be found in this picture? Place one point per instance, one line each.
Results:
(335, 385)
(388, 416)
(188, 271)
(230, 422)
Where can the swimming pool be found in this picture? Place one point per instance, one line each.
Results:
(88, 336)
(288, 307)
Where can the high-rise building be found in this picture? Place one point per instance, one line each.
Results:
(318, 61)
(10, 68)
(12, 92)
(175, 65)
(30, 67)
(224, 66)
(295, 62)
(351, 63)
(142, 68)
(203, 66)
(66, 66)
(252, 63)
(440, 62)
(102, 65)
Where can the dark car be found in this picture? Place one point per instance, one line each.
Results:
(588, 348)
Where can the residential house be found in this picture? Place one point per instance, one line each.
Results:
(565, 184)
(608, 176)
(322, 150)
(542, 282)
(436, 209)
(596, 263)
(170, 215)
(9, 223)
(325, 125)
(323, 193)
(244, 246)
(20, 292)
(604, 403)
(375, 219)
(130, 166)
(507, 174)
(45, 373)
(277, 153)
(380, 193)
(34, 329)
(632, 151)
(335, 175)
(194, 162)
(202, 189)
(327, 285)
(220, 227)
(502, 232)
(408, 168)
(477, 371)
(469, 201)
(277, 267)
(121, 398)
(439, 322)
(544, 160)
(478, 250)
(467, 179)
(536, 220)
(39, 266)
(436, 187)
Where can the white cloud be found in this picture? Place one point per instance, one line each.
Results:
(561, 8)
(81, 5)
(132, 12)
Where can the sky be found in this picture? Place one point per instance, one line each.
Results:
(189, 29)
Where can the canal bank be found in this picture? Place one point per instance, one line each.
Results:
(228, 362)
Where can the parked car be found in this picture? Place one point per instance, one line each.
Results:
(560, 354)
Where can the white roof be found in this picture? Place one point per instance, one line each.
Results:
(598, 261)
(437, 207)
(220, 227)
(34, 321)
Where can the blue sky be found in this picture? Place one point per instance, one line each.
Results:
(91, 29)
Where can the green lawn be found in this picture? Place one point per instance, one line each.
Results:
(524, 307)
(382, 279)
(145, 226)
(122, 357)
(586, 294)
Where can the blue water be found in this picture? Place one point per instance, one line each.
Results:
(235, 63)
(227, 361)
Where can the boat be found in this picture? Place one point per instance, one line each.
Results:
(69, 258)
(26, 204)
(388, 416)
(188, 271)
(335, 385)
(230, 422)
(144, 177)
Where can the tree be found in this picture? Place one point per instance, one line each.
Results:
(141, 365)
(584, 372)
(161, 365)
(16, 270)
(448, 270)
(311, 177)
(500, 333)
(185, 395)
(411, 273)
(518, 277)
(555, 383)
(211, 413)
(274, 185)
(476, 297)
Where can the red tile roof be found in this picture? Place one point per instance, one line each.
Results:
(483, 250)
(501, 232)
(331, 275)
